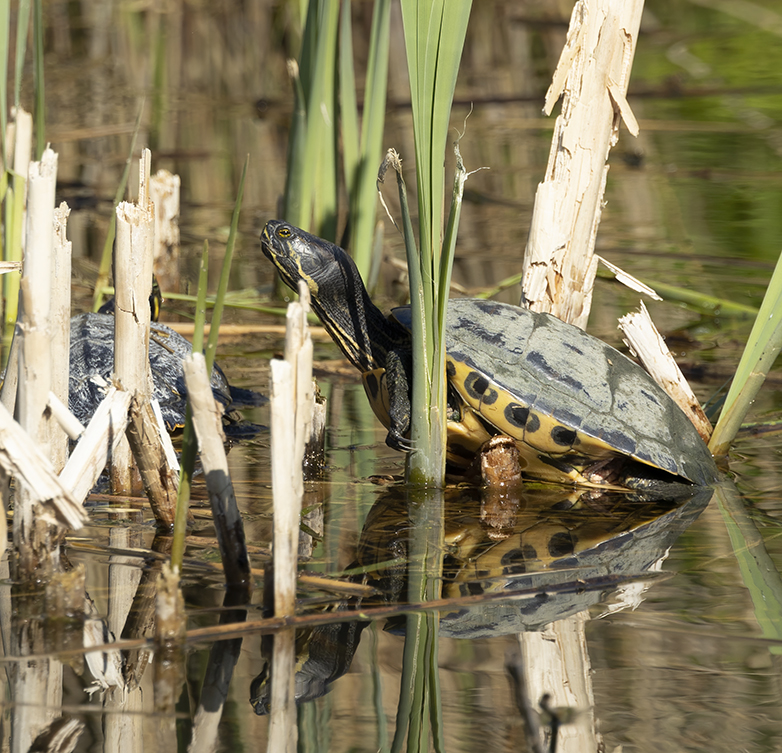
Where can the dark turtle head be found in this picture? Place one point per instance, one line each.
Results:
(337, 293)
(328, 271)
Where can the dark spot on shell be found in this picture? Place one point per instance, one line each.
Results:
(490, 397)
(538, 361)
(475, 385)
(517, 415)
(514, 562)
(533, 424)
(474, 589)
(450, 370)
(563, 436)
(561, 544)
(650, 397)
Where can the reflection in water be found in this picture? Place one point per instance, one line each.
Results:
(544, 538)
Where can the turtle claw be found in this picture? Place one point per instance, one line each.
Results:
(399, 442)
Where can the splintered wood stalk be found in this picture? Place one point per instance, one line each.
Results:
(132, 288)
(208, 424)
(61, 327)
(592, 76)
(36, 542)
(291, 409)
(91, 454)
(642, 337)
(164, 192)
(21, 458)
(160, 480)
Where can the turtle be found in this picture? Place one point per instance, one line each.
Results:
(92, 364)
(579, 411)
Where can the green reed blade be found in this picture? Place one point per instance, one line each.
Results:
(108, 245)
(189, 440)
(316, 180)
(758, 571)
(434, 40)
(763, 346)
(348, 107)
(363, 207)
(295, 162)
(225, 273)
(22, 29)
(5, 35)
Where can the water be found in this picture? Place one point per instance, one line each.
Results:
(693, 202)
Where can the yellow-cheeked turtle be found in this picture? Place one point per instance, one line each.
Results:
(579, 411)
(92, 367)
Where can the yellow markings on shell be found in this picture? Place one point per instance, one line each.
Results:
(535, 439)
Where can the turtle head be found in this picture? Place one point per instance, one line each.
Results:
(337, 293)
(298, 255)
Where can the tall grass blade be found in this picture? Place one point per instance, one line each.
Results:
(420, 688)
(108, 245)
(758, 571)
(5, 35)
(22, 28)
(363, 200)
(291, 209)
(189, 441)
(348, 107)
(225, 273)
(763, 346)
(434, 39)
(311, 196)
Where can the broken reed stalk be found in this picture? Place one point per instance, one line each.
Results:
(35, 541)
(61, 328)
(592, 75)
(51, 497)
(21, 136)
(159, 476)
(164, 192)
(132, 288)
(291, 417)
(643, 339)
(100, 439)
(189, 439)
(208, 424)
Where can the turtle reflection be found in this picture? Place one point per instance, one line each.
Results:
(541, 539)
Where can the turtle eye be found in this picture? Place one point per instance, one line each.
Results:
(284, 232)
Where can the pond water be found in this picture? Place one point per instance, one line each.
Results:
(684, 657)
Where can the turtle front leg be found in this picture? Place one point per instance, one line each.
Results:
(399, 385)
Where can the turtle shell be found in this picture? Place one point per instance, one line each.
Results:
(92, 364)
(568, 399)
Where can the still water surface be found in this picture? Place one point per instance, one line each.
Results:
(686, 662)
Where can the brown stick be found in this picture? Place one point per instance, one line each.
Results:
(160, 481)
